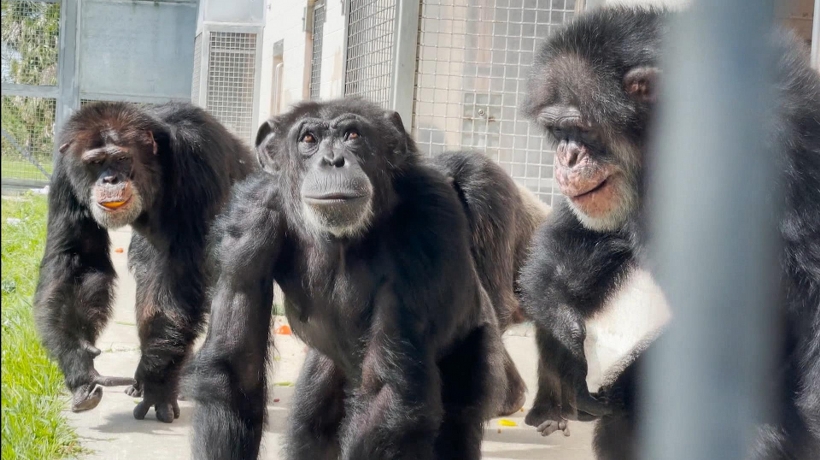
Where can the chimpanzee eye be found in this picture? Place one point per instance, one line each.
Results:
(352, 134)
(556, 132)
(308, 138)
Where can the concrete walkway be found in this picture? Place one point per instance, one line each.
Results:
(111, 433)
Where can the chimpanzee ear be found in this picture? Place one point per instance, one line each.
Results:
(641, 83)
(150, 135)
(65, 147)
(264, 131)
(264, 135)
(395, 119)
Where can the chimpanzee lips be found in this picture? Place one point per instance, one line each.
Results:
(594, 189)
(113, 205)
(338, 196)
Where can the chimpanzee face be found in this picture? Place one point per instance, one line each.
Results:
(107, 161)
(336, 158)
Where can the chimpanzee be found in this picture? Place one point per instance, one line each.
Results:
(503, 217)
(593, 89)
(167, 171)
(371, 248)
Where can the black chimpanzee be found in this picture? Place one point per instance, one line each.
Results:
(594, 90)
(167, 171)
(502, 216)
(371, 248)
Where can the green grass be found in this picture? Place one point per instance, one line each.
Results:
(32, 386)
(22, 169)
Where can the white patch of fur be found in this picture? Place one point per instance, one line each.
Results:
(316, 221)
(119, 218)
(634, 314)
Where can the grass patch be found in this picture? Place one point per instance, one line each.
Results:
(22, 169)
(32, 401)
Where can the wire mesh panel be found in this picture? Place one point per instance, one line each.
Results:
(30, 33)
(231, 71)
(370, 49)
(316, 57)
(473, 60)
(27, 138)
(30, 42)
(196, 78)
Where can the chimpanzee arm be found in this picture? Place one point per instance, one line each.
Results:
(229, 371)
(396, 410)
(568, 278)
(72, 303)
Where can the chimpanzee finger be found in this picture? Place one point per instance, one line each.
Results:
(585, 417)
(551, 426)
(165, 412)
(135, 390)
(91, 349)
(142, 409)
(108, 381)
(175, 406)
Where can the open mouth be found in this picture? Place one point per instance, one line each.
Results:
(113, 205)
(591, 191)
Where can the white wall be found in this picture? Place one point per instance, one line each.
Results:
(284, 22)
(333, 51)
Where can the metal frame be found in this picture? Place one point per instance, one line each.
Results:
(405, 49)
(815, 37)
(715, 236)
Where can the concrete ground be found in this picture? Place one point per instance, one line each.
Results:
(111, 433)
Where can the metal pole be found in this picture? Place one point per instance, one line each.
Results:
(405, 47)
(715, 234)
(68, 98)
(815, 37)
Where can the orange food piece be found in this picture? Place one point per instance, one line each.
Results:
(118, 250)
(275, 399)
(113, 204)
(283, 330)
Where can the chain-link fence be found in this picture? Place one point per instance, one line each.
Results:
(370, 38)
(30, 44)
(317, 34)
(473, 59)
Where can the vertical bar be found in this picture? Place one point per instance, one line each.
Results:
(716, 232)
(345, 52)
(257, 84)
(68, 98)
(815, 36)
(405, 47)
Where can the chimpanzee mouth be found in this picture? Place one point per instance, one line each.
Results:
(591, 191)
(114, 205)
(333, 197)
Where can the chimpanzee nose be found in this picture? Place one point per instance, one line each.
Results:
(111, 180)
(337, 161)
(569, 153)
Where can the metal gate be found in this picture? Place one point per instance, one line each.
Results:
(473, 59)
(57, 55)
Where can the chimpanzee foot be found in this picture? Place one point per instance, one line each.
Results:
(87, 396)
(165, 404)
(551, 426)
(541, 412)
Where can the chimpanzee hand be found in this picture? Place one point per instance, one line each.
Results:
(164, 401)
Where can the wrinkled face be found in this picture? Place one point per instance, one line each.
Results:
(106, 165)
(594, 175)
(336, 193)
(591, 118)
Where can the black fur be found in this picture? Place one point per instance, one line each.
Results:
(405, 350)
(502, 217)
(574, 270)
(182, 182)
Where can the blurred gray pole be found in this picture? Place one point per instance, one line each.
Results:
(815, 37)
(715, 240)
